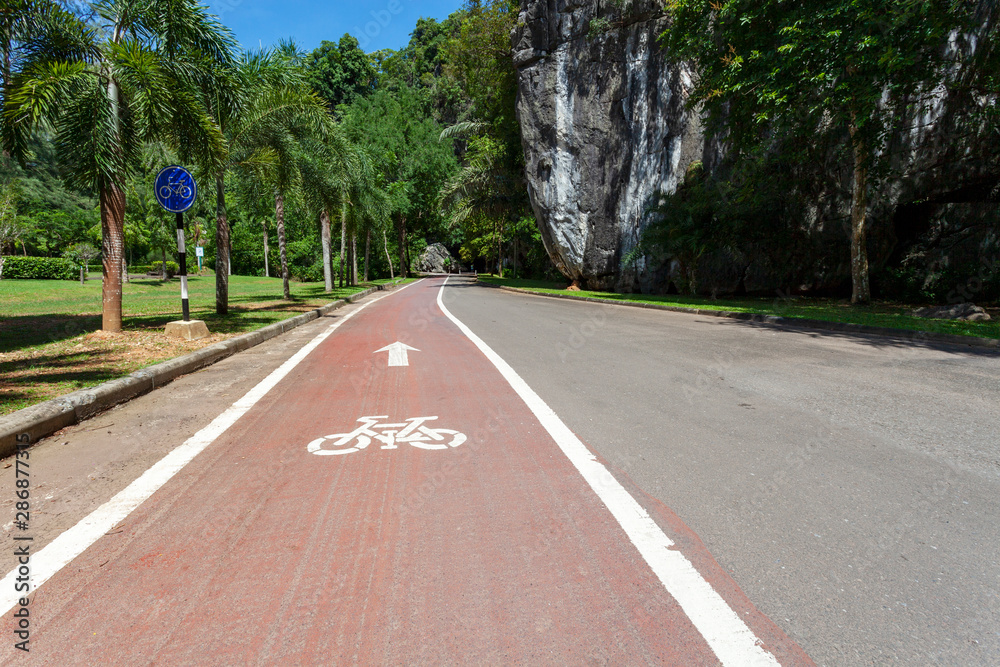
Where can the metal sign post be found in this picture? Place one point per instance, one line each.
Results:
(183, 273)
(176, 191)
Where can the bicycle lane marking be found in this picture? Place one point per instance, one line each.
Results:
(730, 638)
(73, 542)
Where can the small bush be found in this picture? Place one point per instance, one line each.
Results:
(308, 274)
(157, 268)
(39, 268)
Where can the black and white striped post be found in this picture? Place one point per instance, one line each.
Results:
(176, 191)
(183, 273)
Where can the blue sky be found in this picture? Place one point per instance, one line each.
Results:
(377, 24)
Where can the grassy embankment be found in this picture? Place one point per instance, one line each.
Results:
(892, 315)
(50, 343)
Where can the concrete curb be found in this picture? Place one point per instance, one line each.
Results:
(42, 420)
(785, 322)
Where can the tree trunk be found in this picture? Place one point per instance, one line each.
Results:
(354, 259)
(861, 292)
(279, 213)
(112, 246)
(221, 246)
(324, 221)
(6, 84)
(368, 248)
(83, 279)
(343, 240)
(267, 267)
(388, 257)
(350, 262)
(163, 267)
(401, 228)
(499, 250)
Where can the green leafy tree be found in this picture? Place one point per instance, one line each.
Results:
(82, 254)
(10, 229)
(772, 70)
(341, 72)
(397, 127)
(488, 196)
(133, 81)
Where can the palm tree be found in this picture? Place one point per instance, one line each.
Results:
(107, 93)
(328, 169)
(367, 207)
(26, 27)
(248, 100)
(280, 129)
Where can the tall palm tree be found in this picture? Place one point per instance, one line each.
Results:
(109, 91)
(28, 27)
(248, 100)
(283, 125)
(368, 207)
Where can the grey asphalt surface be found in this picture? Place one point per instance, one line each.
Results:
(849, 484)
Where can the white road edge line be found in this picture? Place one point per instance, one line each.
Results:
(73, 542)
(727, 635)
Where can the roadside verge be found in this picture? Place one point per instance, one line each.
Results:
(784, 322)
(42, 420)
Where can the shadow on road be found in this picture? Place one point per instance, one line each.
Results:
(893, 342)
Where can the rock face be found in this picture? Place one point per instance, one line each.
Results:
(435, 259)
(603, 127)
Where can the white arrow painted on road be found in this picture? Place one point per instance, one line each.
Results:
(397, 354)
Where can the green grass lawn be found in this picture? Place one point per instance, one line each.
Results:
(892, 315)
(37, 312)
(50, 343)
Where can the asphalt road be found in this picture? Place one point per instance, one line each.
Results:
(386, 492)
(850, 485)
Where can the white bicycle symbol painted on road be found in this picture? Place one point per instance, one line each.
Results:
(412, 432)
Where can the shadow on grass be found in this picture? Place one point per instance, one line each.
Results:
(21, 332)
(80, 378)
(17, 333)
(32, 389)
(237, 321)
(12, 401)
(52, 361)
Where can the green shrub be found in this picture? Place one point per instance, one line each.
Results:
(157, 268)
(39, 268)
(308, 274)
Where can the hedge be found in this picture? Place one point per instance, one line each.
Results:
(39, 268)
(157, 268)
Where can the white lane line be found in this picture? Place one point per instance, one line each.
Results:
(728, 636)
(78, 539)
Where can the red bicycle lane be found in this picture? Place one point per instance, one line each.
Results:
(261, 552)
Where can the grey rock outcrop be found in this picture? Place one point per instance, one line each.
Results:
(603, 126)
(435, 259)
(969, 312)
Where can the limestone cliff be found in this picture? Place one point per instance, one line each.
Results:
(605, 128)
(603, 125)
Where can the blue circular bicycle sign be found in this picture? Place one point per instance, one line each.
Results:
(175, 189)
